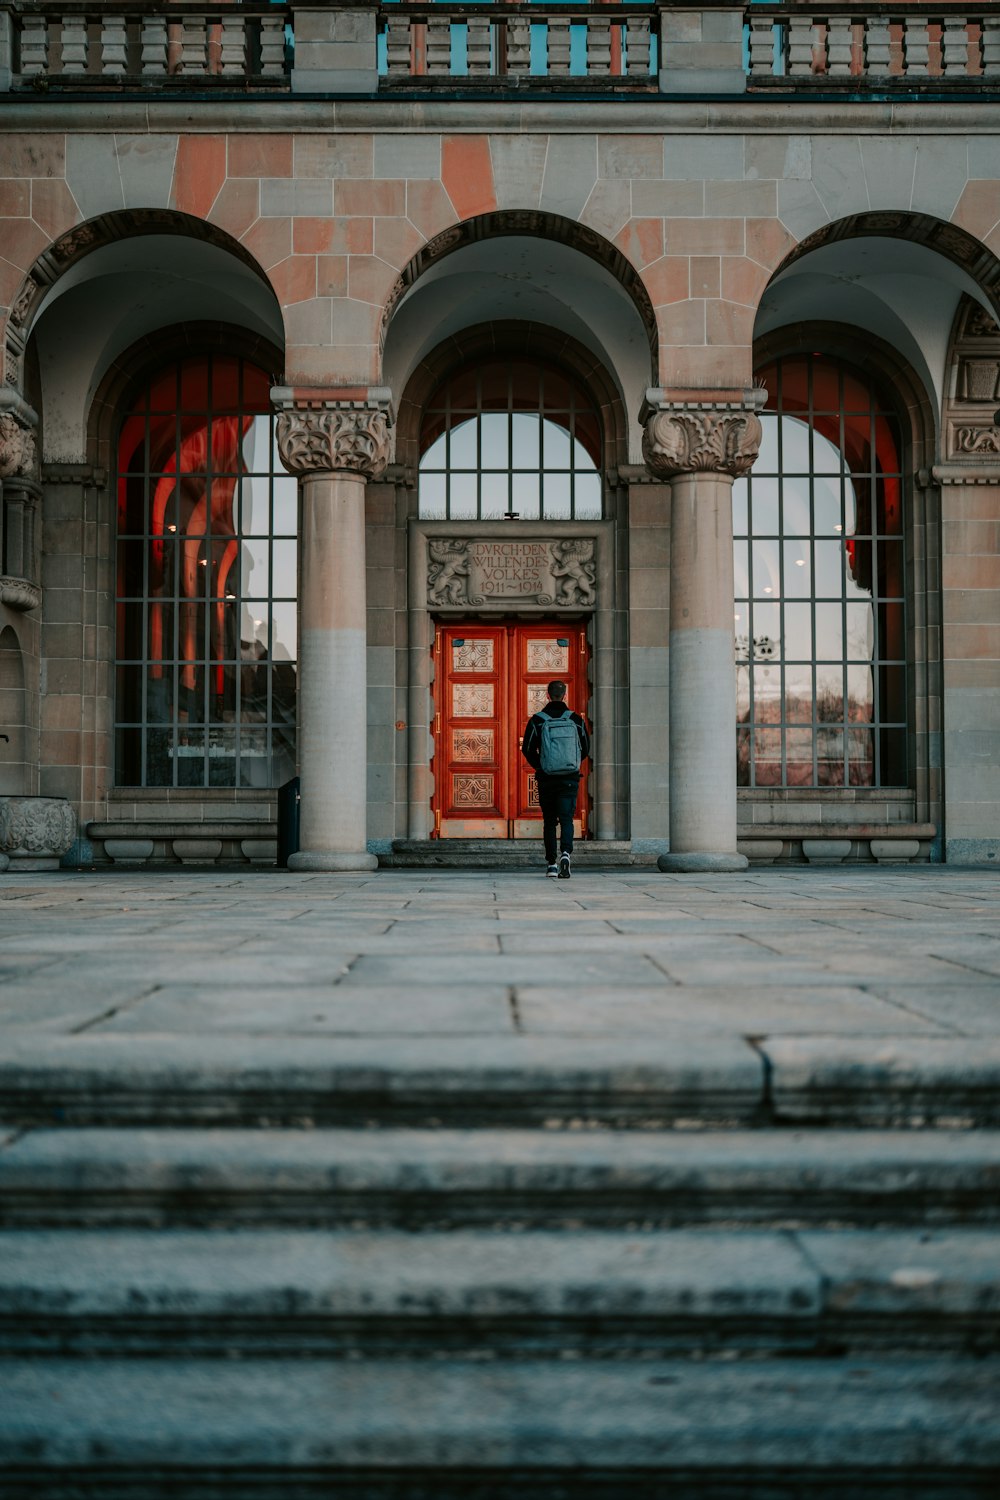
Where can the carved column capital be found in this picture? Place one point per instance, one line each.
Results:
(330, 437)
(687, 437)
(17, 447)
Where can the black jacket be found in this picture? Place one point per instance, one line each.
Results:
(531, 746)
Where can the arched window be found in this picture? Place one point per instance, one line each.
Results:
(510, 438)
(819, 568)
(206, 594)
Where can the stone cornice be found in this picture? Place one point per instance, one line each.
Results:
(768, 114)
(692, 437)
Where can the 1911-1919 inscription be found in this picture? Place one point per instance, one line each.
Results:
(483, 571)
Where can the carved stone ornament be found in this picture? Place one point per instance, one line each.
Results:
(331, 439)
(976, 440)
(685, 440)
(493, 572)
(35, 832)
(17, 447)
(19, 593)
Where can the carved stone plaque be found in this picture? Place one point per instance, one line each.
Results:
(495, 571)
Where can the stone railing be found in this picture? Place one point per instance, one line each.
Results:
(873, 47)
(153, 44)
(613, 44)
(367, 47)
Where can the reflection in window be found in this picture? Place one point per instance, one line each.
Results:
(819, 571)
(206, 595)
(510, 439)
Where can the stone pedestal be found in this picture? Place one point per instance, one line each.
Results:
(701, 448)
(334, 449)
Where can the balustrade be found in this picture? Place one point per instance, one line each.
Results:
(914, 46)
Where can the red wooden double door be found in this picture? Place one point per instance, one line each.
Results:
(488, 680)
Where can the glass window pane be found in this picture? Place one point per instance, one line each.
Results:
(525, 449)
(555, 446)
(767, 459)
(463, 501)
(432, 496)
(827, 519)
(741, 506)
(766, 574)
(495, 490)
(556, 497)
(860, 695)
(860, 632)
(798, 642)
(798, 694)
(495, 439)
(829, 694)
(526, 496)
(587, 497)
(463, 450)
(255, 506)
(798, 573)
(764, 507)
(829, 632)
(795, 511)
(741, 570)
(828, 560)
(286, 505)
(767, 629)
(284, 565)
(284, 630)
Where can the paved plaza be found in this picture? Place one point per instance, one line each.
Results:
(866, 953)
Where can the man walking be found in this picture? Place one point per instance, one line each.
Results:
(555, 743)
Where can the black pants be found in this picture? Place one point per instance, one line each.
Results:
(557, 799)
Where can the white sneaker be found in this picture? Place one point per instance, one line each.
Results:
(564, 870)
(552, 872)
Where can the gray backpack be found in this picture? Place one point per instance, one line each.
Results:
(559, 745)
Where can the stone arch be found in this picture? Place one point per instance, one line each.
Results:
(84, 240)
(949, 240)
(537, 224)
(14, 769)
(510, 338)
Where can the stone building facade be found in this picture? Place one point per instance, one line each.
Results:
(368, 365)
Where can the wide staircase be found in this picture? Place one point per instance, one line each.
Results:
(295, 1269)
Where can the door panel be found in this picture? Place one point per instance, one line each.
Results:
(488, 680)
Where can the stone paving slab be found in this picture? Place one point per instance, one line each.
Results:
(770, 1009)
(971, 1009)
(745, 953)
(416, 1010)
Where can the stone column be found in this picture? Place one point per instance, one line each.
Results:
(334, 449)
(701, 447)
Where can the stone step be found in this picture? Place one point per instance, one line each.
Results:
(514, 854)
(551, 1430)
(710, 1077)
(448, 1178)
(311, 1292)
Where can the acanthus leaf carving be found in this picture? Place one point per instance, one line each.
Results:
(685, 440)
(332, 439)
